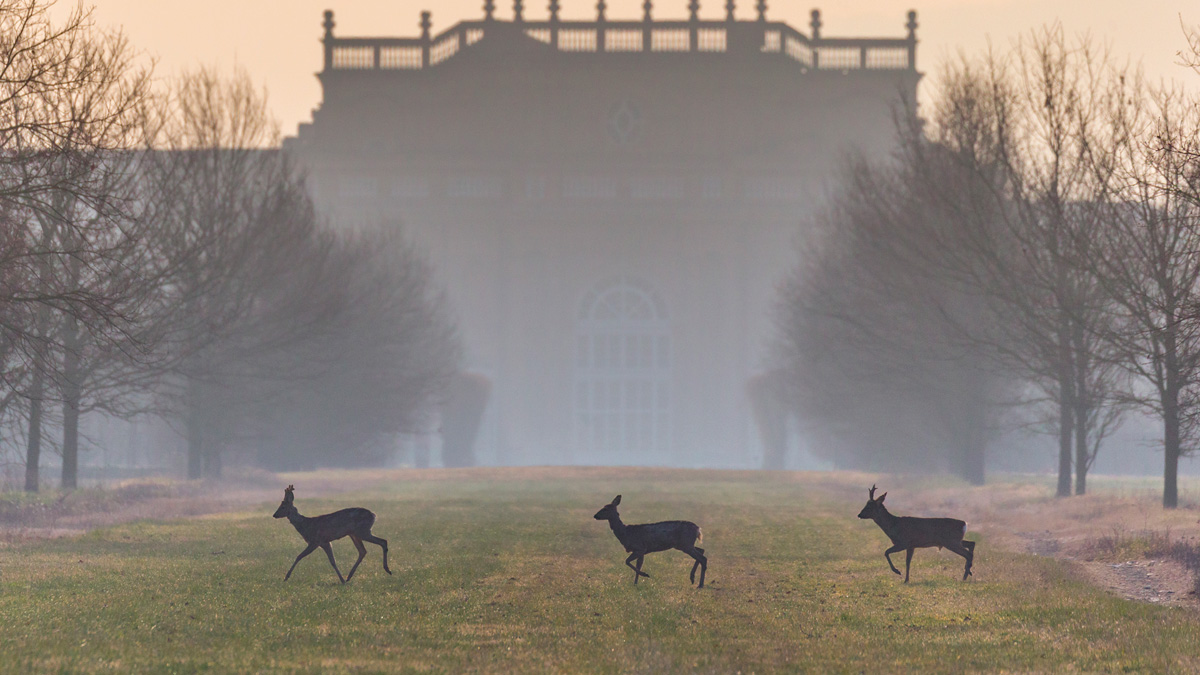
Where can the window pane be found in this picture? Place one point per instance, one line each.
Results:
(622, 374)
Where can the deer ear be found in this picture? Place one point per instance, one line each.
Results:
(880, 500)
(616, 500)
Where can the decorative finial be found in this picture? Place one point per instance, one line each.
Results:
(518, 10)
(912, 24)
(489, 10)
(762, 10)
(426, 23)
(601, 6)
(694, 8)
(816, 24)
(730, 5)
(328, 24)
(554, 7)
(647, 7)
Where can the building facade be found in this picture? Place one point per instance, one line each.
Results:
(610, 205)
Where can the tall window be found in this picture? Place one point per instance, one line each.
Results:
(622, 382)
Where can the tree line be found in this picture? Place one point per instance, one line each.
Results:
(1028, 255)
(160, 255)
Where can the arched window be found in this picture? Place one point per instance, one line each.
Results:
(622, 381)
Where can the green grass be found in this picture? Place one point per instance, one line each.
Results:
(512, 574)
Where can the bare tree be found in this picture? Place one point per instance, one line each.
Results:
(70, 111)
(876, 367)
(1011, 164)
(292, 341)
(968, 243)
(1147, 258)
(234, 214)
(377, 361)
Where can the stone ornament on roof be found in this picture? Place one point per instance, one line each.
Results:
(774, 40)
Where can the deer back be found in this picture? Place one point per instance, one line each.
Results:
(332, 526)
(912, 532)
(668, 534)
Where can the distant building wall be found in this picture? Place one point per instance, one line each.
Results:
(610, 225)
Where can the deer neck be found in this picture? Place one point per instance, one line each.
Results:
(298, 521)
(618, 528)
(885, 520)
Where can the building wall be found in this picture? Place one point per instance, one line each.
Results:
(531, 177)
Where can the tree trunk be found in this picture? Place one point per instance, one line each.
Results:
(1083, 410)
(70, 442)
(966, 428)
(1065, 428)
(195, 431)
(195, 447)
(973, 460)
(1170, 408)
(1171, 444)
(33, 449)
(1081, 450)
(71, 394)
(212, 461)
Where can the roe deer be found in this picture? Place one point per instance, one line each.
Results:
(908, 533)
(639, 540)
(320, 530)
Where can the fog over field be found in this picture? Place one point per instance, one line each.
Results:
(715, 237)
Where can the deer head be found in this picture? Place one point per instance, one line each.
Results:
(609, 511)
(285, 507)
(874, 506)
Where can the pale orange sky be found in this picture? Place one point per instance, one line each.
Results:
(277, 40)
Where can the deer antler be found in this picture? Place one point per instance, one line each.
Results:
(871, 492)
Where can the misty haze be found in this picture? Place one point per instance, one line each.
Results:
(725, 271)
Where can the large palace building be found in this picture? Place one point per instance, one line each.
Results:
(610, 205)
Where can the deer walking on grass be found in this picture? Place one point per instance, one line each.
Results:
(320, 530)
(908, 533)
(639, 540)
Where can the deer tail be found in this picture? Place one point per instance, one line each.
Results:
(699, 535)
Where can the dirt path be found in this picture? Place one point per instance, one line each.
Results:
(1114, 538)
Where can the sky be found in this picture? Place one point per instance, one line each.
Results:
(277, 41)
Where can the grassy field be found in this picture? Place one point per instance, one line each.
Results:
(510, 573)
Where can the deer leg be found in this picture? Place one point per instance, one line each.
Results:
(888, 556)
(637, 571)
(310, 549)
(701, 562)
(696, 554)
(382, 543)
(629, 563)
(362, 553)
(967, 550)
(907, 563)
(329, 552)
